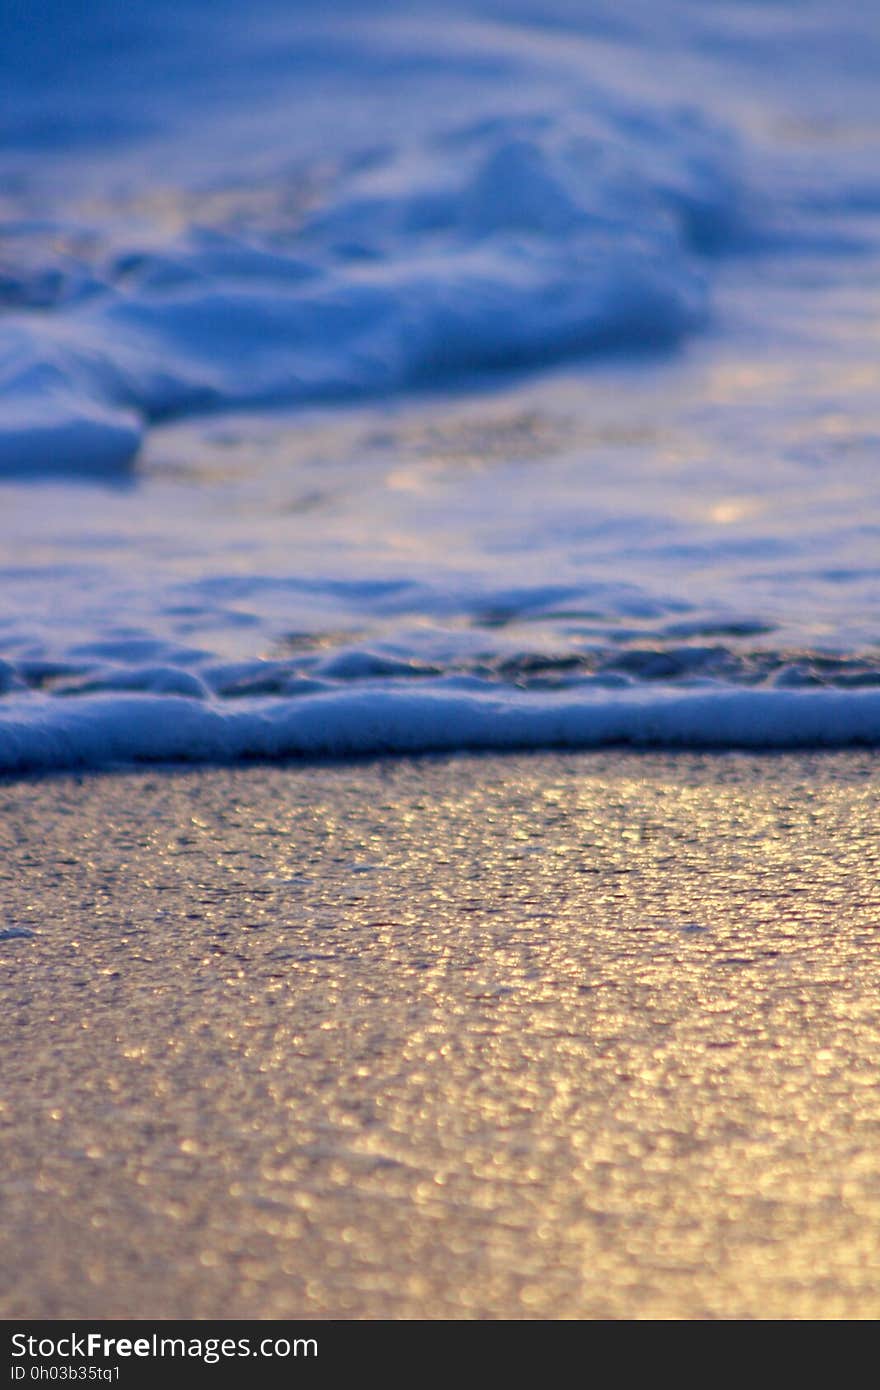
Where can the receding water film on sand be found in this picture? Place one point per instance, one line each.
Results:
(439, 664)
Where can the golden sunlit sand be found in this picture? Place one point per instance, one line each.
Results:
(540, 1036)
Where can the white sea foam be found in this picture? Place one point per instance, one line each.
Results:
(37, 734)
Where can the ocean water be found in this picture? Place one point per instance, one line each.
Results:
(414, 377)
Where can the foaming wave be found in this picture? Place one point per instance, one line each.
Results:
(42, 734)
(508, 243)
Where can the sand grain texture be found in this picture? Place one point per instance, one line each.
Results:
(542, 1036)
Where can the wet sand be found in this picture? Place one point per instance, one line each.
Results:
(587, 1036)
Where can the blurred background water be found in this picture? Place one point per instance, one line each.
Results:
(429, 376)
